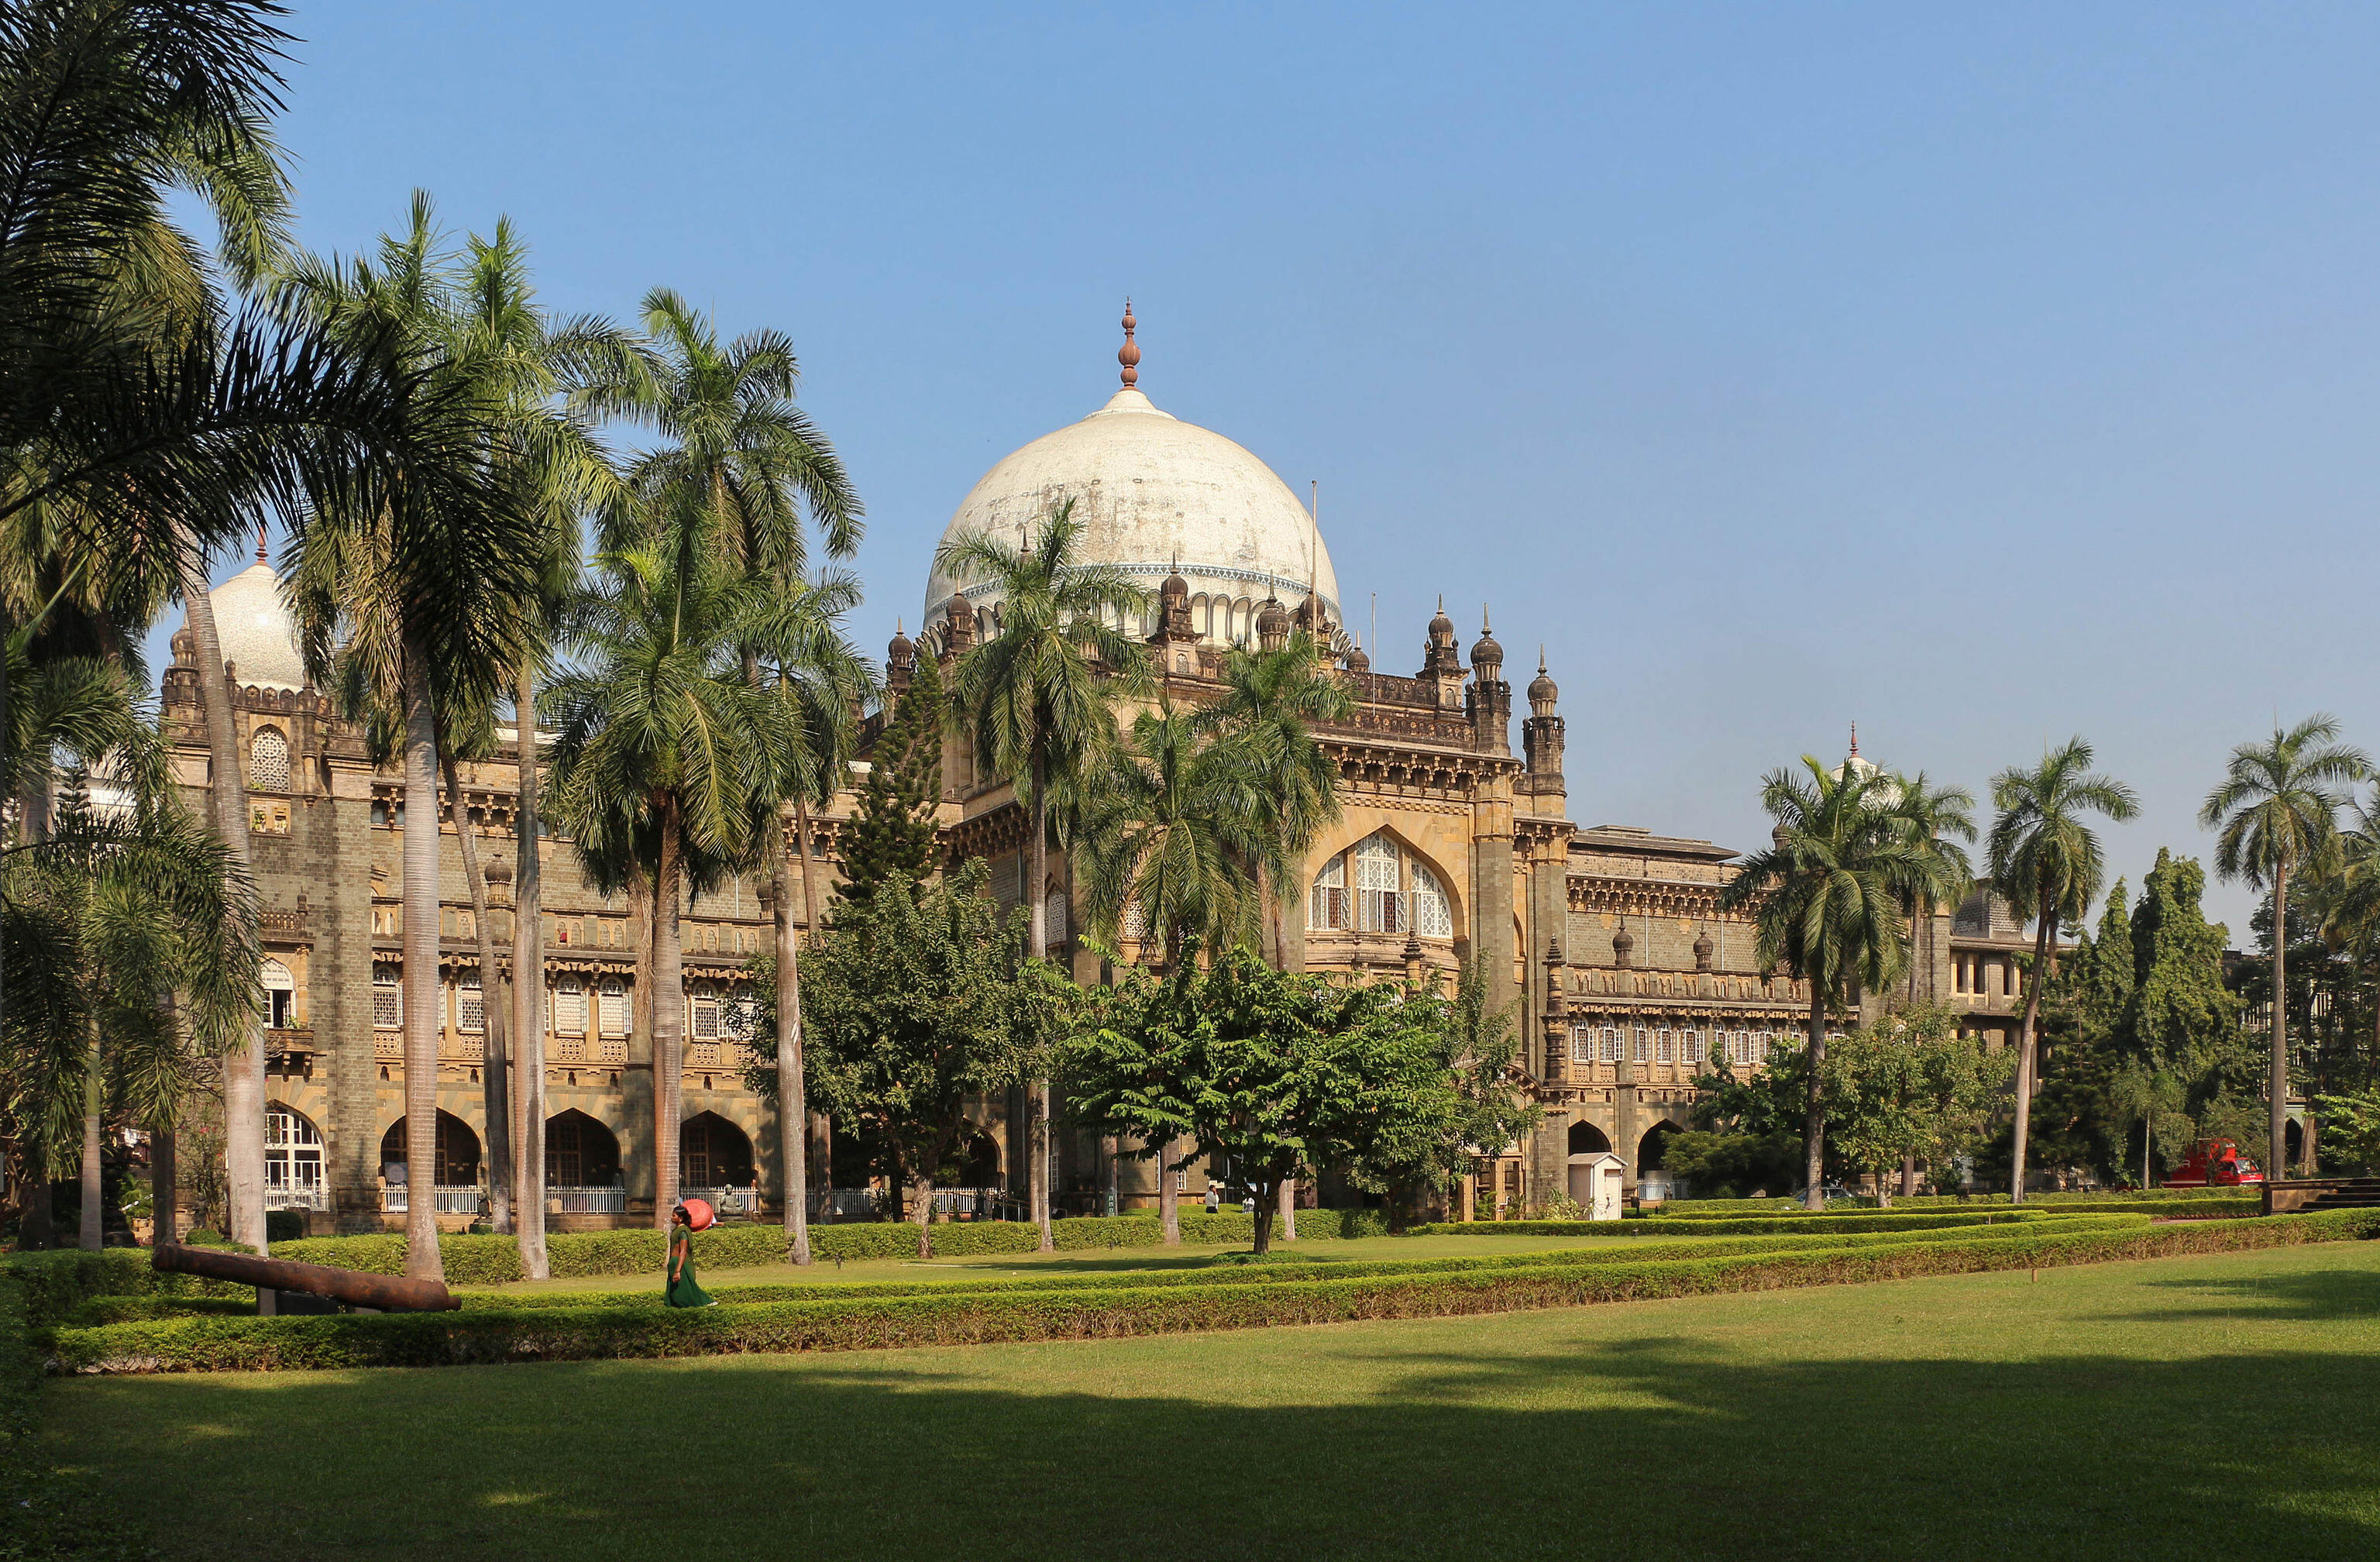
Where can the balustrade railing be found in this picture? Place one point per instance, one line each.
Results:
(395, 1199)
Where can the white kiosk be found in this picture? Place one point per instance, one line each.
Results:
(1594, 1184)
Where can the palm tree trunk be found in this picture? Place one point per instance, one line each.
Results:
(1041, 1099)
(162, 1189)
(1814, 1126)
(1168, 1202)
(529, 988)
(2278, 1166)
(227, 790)
(422, 994)
(669, 1020)
(2042, 940)
(793, 1100)
(495, 1099)
(93, 1199)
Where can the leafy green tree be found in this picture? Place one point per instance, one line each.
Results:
(2276, 811)
(918, 1008)
(2178, 1018)
(1173, 824)
(1270, 1074)
(1034, 699)
(891, 836)
(1826, 901)
(2047, 864)
(2352, 1129)
(1427, 1153)
(2097, 981)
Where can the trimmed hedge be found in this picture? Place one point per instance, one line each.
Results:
(57, 1281)
(1028, 1312)
(2187, 1204)
(1851, 1220)
(1225, 1274)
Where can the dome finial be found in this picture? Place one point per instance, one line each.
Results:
(260, 558)
(1129, 354)
(1854, 739)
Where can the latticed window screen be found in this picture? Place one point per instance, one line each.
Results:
(268, 761)
(1331, 895)
(570, 1006)
(1378, 904)
(388, 998)
(739, 1016)
(612, 1006)
(1053, 916)
(1136, 926)
(1611, 1044)
(1581, 1044)
(1689, 1048)
(1644, 1045)
(470, 1007)
(1429, 914)
(1662, 1047)
(706, 1013)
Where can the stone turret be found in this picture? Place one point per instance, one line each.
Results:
(1272, 625)
(1488, 701)
(1541, 745)
(900, 662)
(1442, 660)
(1557, 1016)
(958, 627)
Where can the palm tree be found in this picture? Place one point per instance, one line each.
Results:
(2348, 901)
(1034, 699)
(2044, 861)
(418, 583)
(1274, 700)
(1945, 818)
(2277, 812)
(744, 465)
(662, 746)
(155, 429)
(1826, 898)
(1174, 826)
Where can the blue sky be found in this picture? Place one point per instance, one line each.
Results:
(1983, 376)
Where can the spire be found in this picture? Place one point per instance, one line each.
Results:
(1854, 739)
(260, 558)
(1129, 354)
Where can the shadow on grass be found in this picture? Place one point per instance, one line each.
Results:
(1338, 1444)
(2311, 1296)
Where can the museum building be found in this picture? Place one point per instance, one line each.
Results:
(1449, 846)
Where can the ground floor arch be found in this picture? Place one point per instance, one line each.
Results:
(456, 1162)
(713, 1152)
(1585, 1139)
(580, 1152)
(293, 1160)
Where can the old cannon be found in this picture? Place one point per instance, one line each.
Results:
(283, 1287)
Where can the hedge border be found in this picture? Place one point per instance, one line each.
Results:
(1683, 1248)
(599, 1333)
(1849, 1220)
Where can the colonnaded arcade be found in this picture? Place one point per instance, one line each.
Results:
(1449, 846)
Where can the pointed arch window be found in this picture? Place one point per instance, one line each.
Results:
(1379, 902)
(280, 994)
(388, 996)
(570, 1004)
(705, 999)
(293, 1160)
(470, 1004)
(612, 1006)
(1330, 895)
(1053, 917)
(1431, 917)
(267, 760)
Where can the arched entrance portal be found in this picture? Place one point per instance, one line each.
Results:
(454, 1171)
(1585, 1139)
(713, 1154)
(582, 1166)
(1654, 1182)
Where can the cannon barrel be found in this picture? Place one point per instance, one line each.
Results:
(391, 1293)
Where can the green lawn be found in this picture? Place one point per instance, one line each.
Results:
(2167, 1409)
(1118, 1261)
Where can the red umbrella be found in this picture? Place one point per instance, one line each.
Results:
(699, 1214)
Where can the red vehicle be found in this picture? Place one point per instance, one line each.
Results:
(2215, 1163)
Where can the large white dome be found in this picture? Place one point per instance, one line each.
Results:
(258, 639)
(1154, 490)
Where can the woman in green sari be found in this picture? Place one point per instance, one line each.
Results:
(682, 1291)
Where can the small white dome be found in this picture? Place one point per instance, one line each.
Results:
(258, 639)
(1151, 490)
